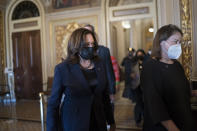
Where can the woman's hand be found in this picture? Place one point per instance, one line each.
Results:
(170, 125)
(194, 92)
(112, 127)
(133, 75)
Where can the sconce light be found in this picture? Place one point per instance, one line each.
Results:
(151, 29)
(126, 24)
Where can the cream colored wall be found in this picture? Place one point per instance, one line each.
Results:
(137, 35)
(120, 42)
(168, 12)
(147, 37)
(126, 37)
(140, 28)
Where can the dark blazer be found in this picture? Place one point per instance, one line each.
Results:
(104, 54)
(76, 107)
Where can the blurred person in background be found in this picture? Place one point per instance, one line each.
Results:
(128, 62)
(104, 53)
(116, 71)
(140, 58)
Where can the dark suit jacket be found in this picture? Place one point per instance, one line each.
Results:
(76, 107)
(104, 54)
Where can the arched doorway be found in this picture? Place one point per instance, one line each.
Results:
(25, 47)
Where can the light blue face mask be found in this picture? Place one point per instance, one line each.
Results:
(174, 51)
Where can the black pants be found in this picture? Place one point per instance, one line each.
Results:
(139, 107)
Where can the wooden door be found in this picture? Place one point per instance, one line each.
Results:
(27, 64)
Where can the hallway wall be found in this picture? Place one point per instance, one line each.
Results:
(167, 11)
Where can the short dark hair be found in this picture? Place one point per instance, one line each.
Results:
(163, 34)
(93, 30)
(91, 26)
(76, 42)
(140, 50)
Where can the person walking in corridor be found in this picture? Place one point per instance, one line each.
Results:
(128, 63)
(166, 89)
(82, 79)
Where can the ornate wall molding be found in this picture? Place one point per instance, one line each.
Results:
(63, 33)
(194, 40)
(2, 50)
(186, 25)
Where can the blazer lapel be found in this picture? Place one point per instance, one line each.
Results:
(100, 77)
(81, 80)
(79, 77)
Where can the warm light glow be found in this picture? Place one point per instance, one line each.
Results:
(151, 29)
(126, 24)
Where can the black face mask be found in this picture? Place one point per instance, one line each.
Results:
(87, 53)
(140, 57)
(130, 54)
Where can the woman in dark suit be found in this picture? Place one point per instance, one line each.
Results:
(165, 87)
(82, 79)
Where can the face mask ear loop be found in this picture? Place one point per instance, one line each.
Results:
(164, 48)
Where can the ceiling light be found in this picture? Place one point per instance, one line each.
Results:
(151, 29)
(126, 24)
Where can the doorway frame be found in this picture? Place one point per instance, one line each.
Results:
(110, 17)
(9, 25)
